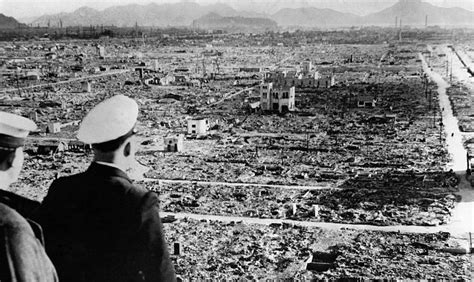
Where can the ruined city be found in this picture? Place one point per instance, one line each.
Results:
(278, 150)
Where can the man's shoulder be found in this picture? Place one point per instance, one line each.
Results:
(116, 184)
(6, 197)
(9, 217)
(138, 193)
(66, 183)
(24, 250)
(70, 178)
(26, 207)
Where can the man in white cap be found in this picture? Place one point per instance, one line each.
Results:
(22, 256)
(99, 226)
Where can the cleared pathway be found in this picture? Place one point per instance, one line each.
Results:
(65, 81)
(325, 225)
(462, 220)
(242, 184)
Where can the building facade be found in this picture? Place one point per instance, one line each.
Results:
(198, 126)
(306, 79)
(174, 143)
(280, 99)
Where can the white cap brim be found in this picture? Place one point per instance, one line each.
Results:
(15, 125)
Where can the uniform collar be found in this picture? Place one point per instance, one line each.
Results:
(107, 169)
(108, 164)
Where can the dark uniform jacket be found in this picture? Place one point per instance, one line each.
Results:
(22, 255)
(100, 227)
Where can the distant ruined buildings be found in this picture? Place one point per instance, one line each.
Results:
(277, 91)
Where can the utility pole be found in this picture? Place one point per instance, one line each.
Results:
(425, 86)
(400, 33)
(451, 75)
(198, 69)
(429, 101)
(136, 31)
(447, 68)
(307, 141)
(203, 66)
(17, 84)
(440, 131)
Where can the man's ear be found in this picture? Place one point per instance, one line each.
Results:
(15, 160)
(127, 149)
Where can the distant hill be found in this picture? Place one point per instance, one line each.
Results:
(301, 13)
(177, 14)
(242, 24)
(9, 22)
(413, 12)
(358, 7)
(314, 17)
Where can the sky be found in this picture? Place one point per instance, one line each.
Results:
(24, 9)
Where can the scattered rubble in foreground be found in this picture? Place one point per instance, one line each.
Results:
(389, 206)
(245, 251)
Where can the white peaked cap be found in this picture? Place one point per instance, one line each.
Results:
(14, 129)
(15, 125)
(109, 120)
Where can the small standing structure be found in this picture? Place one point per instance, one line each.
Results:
(325, 81)
(32, 75)
(307, 67)
(33, 116)
(101, 51)
(54, 127)
(86, 86)
(198, 126)
(366, 101)
(174, 143)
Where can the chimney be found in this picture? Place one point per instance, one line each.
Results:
(396, 21)
(426, 21)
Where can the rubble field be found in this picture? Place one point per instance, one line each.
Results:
(246, 251)
(327, 141)
(390, 205)
(373, 140)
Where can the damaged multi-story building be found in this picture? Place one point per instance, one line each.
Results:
(277, 92)
(307, 77)
(277, 98)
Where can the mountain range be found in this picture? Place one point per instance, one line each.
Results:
(358, 7)
(414, 12)
(411, 12)
(9, 22)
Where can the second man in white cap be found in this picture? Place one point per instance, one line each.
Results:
(22, 256)
(98, 225)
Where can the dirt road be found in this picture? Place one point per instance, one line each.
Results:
(462, 220)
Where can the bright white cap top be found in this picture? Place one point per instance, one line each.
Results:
(109, 120)
(15, 125)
